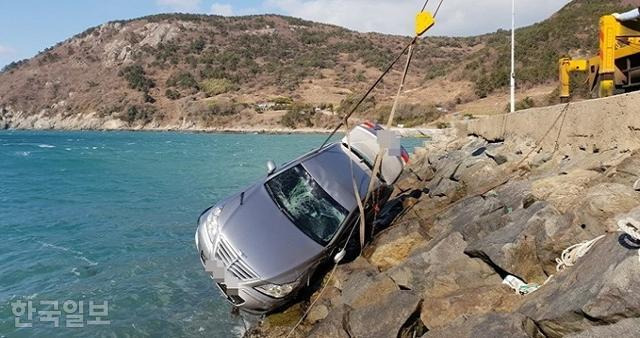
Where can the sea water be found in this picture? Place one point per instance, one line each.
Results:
(108, 219)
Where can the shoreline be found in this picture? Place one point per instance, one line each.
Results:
(424, 132)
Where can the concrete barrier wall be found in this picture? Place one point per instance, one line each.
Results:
(606, 123)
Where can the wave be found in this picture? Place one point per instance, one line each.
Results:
(45, 146)
(78, 254)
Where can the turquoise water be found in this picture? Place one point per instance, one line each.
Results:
(111, 217)
(93, 216)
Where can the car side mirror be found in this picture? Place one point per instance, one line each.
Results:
(271, 167)
(339, 256)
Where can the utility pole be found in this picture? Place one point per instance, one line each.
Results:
(513, 55)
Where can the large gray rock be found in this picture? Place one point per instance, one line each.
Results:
(522, 247)
(442, 268)
(386, 317)
(488, 326)
(332, 326)
(440, 311)
(624, 328)
(601, 288)
(365, 288)
(473, 217)
(596, 209)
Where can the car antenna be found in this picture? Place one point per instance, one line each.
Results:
(242, 198)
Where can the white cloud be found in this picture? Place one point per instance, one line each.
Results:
(221, 9)
(180, 5)
(6, 50)
(456, 17)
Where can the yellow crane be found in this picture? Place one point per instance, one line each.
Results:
(616, 68)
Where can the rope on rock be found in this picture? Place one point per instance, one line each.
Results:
(570, 255)
(631, 227)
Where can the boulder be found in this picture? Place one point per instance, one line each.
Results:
(488, 326)
(441, 311)
(473, 217)
(596, 209)
(628, 171)
(518, 247)
(365, 288)
(601, 288)
(385, 317)
(332, 326)
(478, 173)
(442, 268)
(394, 247)
(563, 190)
(624, 328)
(317, 313)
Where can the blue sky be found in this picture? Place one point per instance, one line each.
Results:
(28, 26)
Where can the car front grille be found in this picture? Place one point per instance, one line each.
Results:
(233, 261)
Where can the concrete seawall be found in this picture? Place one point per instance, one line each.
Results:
(605, 123)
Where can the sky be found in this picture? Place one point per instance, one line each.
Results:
(29, 26)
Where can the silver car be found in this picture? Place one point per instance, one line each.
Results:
(262, 245)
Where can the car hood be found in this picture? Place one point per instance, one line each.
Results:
(271, 245)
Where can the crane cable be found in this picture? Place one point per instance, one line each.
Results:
(379, 79)
(345, 122)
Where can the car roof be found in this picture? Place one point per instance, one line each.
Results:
(331, 169)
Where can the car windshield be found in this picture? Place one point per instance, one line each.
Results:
(306, 204)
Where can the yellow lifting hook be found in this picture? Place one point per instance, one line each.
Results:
(424, 21)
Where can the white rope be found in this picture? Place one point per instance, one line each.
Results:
(571, 254)
(632, 228)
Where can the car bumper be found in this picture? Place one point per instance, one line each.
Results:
(246, 298)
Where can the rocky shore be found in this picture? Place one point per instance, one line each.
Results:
(474, 212)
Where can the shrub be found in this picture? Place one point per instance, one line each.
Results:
(182, 80)
(298, 114)
(172, 94)
(142, 114)
(213, 87)
(136, 77)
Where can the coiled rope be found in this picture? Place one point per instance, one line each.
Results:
(570, 255)
(631, 227)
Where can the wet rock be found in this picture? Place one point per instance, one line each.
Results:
(624, 328)
(288, 318)
(385, 317)
(440, 311)
(601, 288)
(489, 326)
(563, 190)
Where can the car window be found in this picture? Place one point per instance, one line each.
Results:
(306, 204)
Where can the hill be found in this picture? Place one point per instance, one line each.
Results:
(196, 71)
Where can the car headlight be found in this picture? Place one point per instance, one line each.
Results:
(211, 223)
(277, 291)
